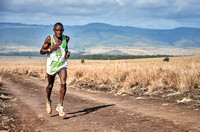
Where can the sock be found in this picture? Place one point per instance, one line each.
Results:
(60, 104)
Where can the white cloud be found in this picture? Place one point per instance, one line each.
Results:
(186, 7)
(151, 3)
(143, 13)
(120, 2)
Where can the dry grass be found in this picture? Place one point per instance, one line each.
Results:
(24, 66)
(142, 76)
(139, 76)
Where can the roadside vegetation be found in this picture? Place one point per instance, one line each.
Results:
(179, 77)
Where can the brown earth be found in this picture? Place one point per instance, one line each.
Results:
(23, 99)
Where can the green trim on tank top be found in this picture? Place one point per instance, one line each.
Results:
(64, 45)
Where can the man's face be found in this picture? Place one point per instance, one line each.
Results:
(58, 30)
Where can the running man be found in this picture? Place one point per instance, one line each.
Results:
(56, 48)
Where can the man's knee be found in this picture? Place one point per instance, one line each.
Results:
(63, 85)
(50, 86)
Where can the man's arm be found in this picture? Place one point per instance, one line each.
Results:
(68, 52)
(46, 46)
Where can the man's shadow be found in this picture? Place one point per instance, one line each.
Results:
(85, 111)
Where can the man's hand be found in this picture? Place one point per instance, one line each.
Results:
(54, 47)
(67, 54)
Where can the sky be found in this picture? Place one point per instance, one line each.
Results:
(153, 14)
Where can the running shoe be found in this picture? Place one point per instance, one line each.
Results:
(48, 107)
(60, 109)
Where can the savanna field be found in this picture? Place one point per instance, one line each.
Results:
(180, 77)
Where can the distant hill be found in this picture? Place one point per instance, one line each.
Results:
(100, 38)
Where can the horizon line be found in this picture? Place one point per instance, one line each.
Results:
(96, 23)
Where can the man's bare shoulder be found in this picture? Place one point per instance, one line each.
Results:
(67, 38)
(48, 39)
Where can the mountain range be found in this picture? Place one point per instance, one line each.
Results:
(101, 38)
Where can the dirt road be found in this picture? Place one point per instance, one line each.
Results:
(90, 111)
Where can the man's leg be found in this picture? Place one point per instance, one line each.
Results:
(48, 90)
(49, 86)
(63, 78)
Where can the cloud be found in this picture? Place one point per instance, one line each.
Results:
(187, 8)
(120, 2)
(149, 4)
(158, 13)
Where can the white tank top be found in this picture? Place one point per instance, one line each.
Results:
(56, 59)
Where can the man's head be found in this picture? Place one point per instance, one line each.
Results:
(58, 29)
